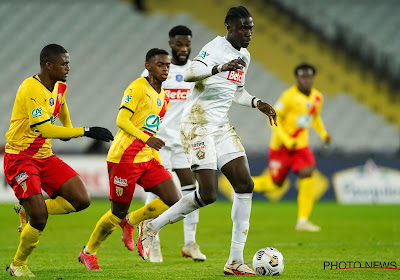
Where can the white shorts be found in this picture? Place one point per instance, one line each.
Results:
(209, 146)
(173, 158)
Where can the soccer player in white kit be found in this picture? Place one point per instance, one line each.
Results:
(172, 155)
(210, 142)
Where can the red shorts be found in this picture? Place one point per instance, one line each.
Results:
(123, 178)
(27, 176)
(280, 161)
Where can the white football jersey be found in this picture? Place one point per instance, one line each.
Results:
(212, 97)
(178, 91)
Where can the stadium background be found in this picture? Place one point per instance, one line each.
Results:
(353, 44)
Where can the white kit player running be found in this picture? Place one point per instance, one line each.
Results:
(210, 142)
(172, 155)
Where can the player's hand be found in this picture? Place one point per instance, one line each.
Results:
(328, 139)
(99, 133)
(234, 65)
(155, 143)
(269, 111)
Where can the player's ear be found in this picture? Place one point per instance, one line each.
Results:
(170, 43)
(49, 65)
(147, 66)
(228, 27)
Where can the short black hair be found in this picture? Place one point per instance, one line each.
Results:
(180, 30)
(153, 52)
(236, 13)
(303, 66)
(50, 52)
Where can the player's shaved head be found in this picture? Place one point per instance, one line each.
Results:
(50, 52)
(153, 52)
(236, 13)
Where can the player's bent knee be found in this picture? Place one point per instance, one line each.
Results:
(306, 172)
(171, 201)
(38, 223)
(209, 198)
(245, 187)
(278, 183)
(82, 204)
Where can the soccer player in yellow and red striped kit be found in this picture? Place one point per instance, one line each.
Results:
(298, 108)
(133, 158)
(29, 163)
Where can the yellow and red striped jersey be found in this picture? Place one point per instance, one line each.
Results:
(148, 107)
(296, 113)
(34, 104)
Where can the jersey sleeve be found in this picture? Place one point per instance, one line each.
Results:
(317, 122)
(35, 105)
(207, 55)
(320, 103)
(246, 58)
(127, 126)
(64, 115)
(131, 98)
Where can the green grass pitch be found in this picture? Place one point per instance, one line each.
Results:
(350, 233)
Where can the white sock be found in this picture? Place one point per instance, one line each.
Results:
(301, 221)
(150, 197)
(191, 220)
(241, 209)
(176, 212)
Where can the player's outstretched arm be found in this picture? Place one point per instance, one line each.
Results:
(199, 71)
(123, 122)
(242, 97)
(53, 131)
(65, 119)
(319, 127)
(64, 116)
